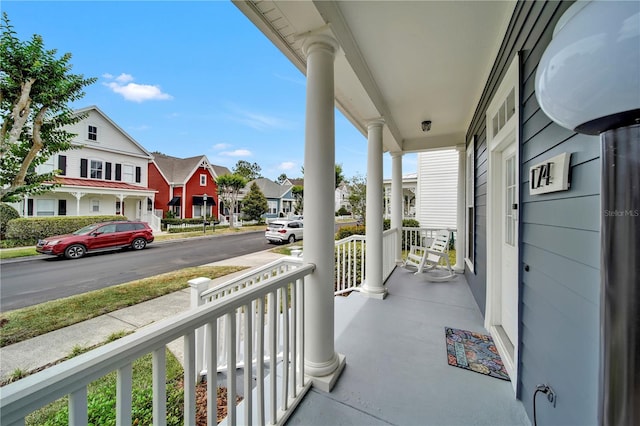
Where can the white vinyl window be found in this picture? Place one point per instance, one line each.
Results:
(273, 207)
(127, 173)
(45, 207)
(203, 180)
(96, 169)
(470, 204)
(95, 206)
(48, 166)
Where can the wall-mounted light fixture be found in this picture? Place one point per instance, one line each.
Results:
(588, 78)
(426, 125)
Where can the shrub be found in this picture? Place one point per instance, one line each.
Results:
(342, 211)
(347, 231)
(6, 214)
(34, 228)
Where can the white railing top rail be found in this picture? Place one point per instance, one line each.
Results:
(354, 237)
(251, 275)
(20, 398)
(389, 232)
(411, 228)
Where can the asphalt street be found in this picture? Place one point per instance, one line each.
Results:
(29, 281)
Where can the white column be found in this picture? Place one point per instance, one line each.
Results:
(461, 208)
(397, 201)
(373, 286)
(322, 363)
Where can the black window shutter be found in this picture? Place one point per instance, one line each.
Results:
(118, 171)
(83, 167)
(62, 164)
(107, 171)
(62, 207)
(138, 174)
(30, 207)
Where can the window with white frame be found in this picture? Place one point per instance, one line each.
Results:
(45, 207)
(92, 133)
(273, 206)
(203, 180)
(470, 204)
(127, 173)
(48, 166)
(95, 205)
(95, 171)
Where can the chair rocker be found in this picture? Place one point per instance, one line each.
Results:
(427, 259)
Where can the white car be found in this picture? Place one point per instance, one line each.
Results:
(284, 231)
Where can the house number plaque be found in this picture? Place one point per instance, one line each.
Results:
(550, 176)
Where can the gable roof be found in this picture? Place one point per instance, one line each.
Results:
(110, 121)
(220, 170)
(179, 170)
(294, 182)
(269, 188)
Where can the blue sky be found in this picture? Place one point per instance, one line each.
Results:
(189, 78)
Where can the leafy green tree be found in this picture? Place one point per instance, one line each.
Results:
(298, 194)
(229, 187)
(358, 196)
(254, 204)
(339, 175)
(36, 87)
(281, 178)
(249, 171)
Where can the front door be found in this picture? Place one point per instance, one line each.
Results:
(509, 243)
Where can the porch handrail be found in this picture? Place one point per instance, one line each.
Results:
(350, 263)
(421, 236)
(201, 295)
(72, 377)
(388, 252)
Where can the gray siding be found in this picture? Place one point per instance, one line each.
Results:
(559, 238)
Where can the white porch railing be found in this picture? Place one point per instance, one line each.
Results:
(201, 295)
(259, 306)
(420, 236)
(153, 220)
(351, 260)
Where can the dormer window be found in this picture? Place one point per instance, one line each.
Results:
(92, 134)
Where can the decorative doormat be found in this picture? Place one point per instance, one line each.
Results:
(475, 352)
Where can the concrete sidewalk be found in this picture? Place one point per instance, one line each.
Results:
(51, 347)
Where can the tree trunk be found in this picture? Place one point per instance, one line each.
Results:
(20, 116)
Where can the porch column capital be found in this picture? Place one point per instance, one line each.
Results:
(396, 154)
(374, 123)
(323, 42)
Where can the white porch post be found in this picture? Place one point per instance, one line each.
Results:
(322, 363)
(461, 209)
(78, 196)
(373, 286)
(397, 200)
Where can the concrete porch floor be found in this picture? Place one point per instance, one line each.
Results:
(397, 371)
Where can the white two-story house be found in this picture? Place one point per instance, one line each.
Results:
(106, 175)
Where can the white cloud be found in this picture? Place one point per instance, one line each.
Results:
(237, 153)
(124, 78)
(287, 165)
(124, 86)
(220, 146)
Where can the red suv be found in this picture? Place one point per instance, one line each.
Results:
(98, 237)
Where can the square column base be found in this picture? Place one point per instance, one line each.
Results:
(326, 383)
(380, 296)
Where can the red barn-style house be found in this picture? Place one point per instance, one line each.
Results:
(182, 184)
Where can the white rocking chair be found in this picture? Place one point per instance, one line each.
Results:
(425, 259)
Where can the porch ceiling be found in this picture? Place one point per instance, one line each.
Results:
(407, 61)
